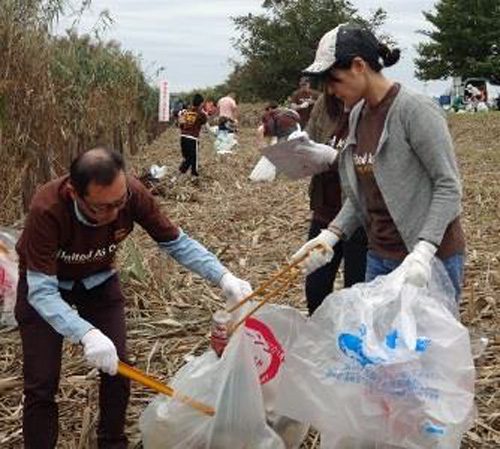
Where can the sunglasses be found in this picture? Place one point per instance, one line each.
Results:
(102, 208)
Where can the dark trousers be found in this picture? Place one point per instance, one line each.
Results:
(319, 284)
(102, 306)
(189, 150)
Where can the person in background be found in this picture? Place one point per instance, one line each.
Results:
(225, 136)
(262, 139)
(303, 99)
(329, 123)
(227, 110)
(398, 167)
(179, 105)
(278, 123)
(69, 286)
(190, 122)
(210, 109)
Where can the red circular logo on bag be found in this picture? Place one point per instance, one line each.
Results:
(268, 353)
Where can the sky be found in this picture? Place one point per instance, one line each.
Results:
(189, 42)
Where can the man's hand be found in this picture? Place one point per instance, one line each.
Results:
(318, 256)
(100, 352)
(417, 264)
(234, 289)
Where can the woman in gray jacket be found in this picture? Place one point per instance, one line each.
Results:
(398, 167)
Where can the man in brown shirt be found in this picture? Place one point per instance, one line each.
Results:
(303, 99)
(68, 285)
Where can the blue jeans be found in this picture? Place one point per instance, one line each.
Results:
(454, 265)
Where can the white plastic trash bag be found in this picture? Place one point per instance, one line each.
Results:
(225, 142)
(334, 441)
(383, 362)
(231, 385)
(158, 172)
(482, 107)
(240, 386)
(272, 330)
(263, 171)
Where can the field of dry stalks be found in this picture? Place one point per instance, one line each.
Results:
(254, 228)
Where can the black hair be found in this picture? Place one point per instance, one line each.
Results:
(334, 105)
(99, 165)
(272, 105)
(197, 100)
(375, 53)
(390, 56)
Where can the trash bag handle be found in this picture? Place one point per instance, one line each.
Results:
(150, 382)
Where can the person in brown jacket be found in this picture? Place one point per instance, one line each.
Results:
(69, 286)
(191, 121)
(328, 123)
(302, 100)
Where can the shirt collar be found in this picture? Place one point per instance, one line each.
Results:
(81, 218)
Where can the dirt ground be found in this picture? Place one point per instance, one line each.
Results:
(254, 228)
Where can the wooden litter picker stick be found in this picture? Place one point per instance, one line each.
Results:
(285, 276)
(279, 275)
(150, 382)
(287, 281)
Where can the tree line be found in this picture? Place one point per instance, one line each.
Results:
(463, 39)
(60, 95)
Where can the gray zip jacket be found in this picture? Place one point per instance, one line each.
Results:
(415, 169)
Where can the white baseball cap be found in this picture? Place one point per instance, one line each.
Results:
(343, 42)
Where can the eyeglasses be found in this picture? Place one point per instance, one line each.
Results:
(107, 207)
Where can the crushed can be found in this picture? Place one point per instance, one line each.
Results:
(220, 332)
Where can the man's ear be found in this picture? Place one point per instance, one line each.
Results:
(72, 191)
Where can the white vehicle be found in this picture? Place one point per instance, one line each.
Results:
(474, 91)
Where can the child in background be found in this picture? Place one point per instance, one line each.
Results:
(190, 122)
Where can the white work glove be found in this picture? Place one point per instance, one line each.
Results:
(298, 133)
(234, 289)
(417, 264)
(314, 153)
(100, 352)
(319, 256)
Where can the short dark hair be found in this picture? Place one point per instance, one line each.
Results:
(100, 165)
(197, 100)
